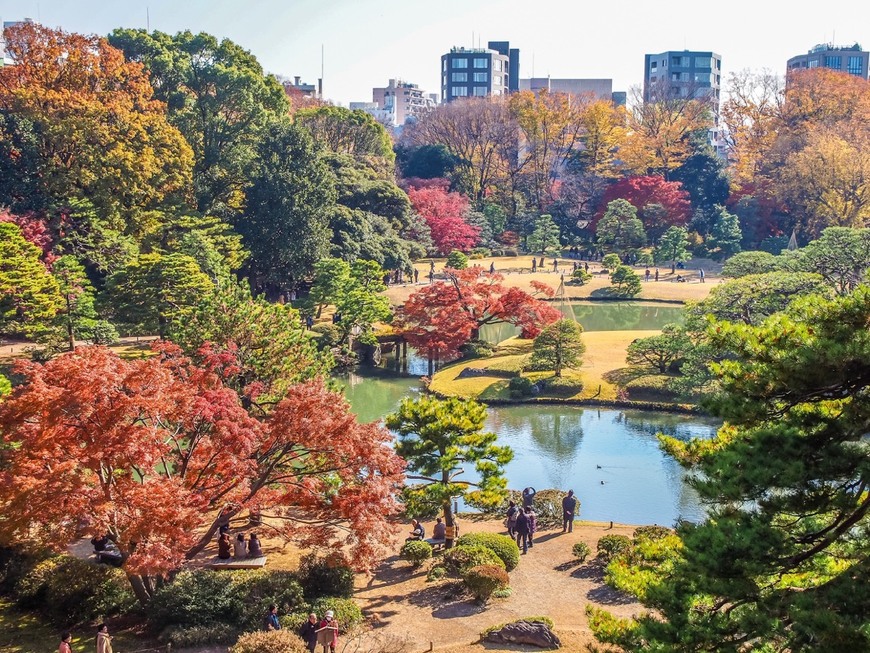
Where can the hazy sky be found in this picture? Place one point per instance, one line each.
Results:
(366, 42)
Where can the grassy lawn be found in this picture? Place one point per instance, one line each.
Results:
(605, 353)
(517, 273)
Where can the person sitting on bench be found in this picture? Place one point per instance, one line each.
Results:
(440, 530)
(419, 533)
(254, 548)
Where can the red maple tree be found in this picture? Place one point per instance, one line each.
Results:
(651, 189)
(443, 316)
(35, 231)
(154, 451)
(444, 212)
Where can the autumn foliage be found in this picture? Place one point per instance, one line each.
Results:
(445, 315)
(444, 212)
(152, 450)
(652, 189)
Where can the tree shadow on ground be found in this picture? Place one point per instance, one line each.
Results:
(624, 375)
(609, 596)
(448, 600)
(590, 571)
(392, 571)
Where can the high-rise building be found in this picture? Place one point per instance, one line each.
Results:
(513, 54)
(686, 74)
(404, 99)
(600, 88)
(683, 74)
(475, 72)
(300, 88)
(848, 59)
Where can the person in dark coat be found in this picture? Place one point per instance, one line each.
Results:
(224, 547)
(308, 632)
(254, 548)
(569, 506)
(523, 529)
(511, 518)
(533, 526)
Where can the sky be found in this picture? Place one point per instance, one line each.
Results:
(367, 42)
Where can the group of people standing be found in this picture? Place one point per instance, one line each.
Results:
(522, 523)
(314, 632)
(104, 641)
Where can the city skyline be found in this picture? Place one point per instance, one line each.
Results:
(365, 45)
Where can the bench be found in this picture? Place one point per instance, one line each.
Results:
(435, 544)
(236, 563)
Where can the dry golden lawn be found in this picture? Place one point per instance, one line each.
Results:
(605, 352)
(517, 273)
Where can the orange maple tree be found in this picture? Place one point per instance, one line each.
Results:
(443, 316)
(156, 452)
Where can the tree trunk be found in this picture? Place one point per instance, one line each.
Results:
(69, 324)
(139, 589)
(209, 534)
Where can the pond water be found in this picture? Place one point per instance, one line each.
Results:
(569, 447)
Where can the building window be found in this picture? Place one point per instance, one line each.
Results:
(702, 78)
(676, 61)
(444, 65)
(480, 91)
(652, 79)
(459, 77)
(460, 63)
(459, 91)
(480, 62)
(679, 77)
(718, 80)
(833, 62)
(481, 77)
(813, 63)
(703, 62)
(653, 66)
(497, 64)
(855, 66)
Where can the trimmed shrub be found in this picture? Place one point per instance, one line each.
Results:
(520, 386)
(477, 349)
(347, 613)
(462, 558)
(271, 641)
(611, 262)
(581, 551)
(581, 276)
(15, 565)
(457, 260)
(70, 591)
(483, 580)
(509, 251)
(481, 252)
(435, 573)
(328, 576)
(563, 386)
(611, 546)
(294, 620)
(503, 546)
(330, 335)
(187, 636)
(255, 590)
(416, 551)
(652, 532)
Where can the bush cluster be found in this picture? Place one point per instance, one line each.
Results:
(501, 545)
(484, 580)
(69, 591)
(347, 613)
(652, 532)
(611, 546)
(416, 552)
(461, 558)
(325, 576)
(520, 386)
(457, 260)
(237, 598)
(190, 636)
(563, 386)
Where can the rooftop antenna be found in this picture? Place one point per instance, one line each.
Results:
(322, 50)
(147, 19)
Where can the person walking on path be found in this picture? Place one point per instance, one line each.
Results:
(327, 632)
(534, 265)
(416, 275)
(522, 530)
(701, 274)
(646, 274)
(104, 641)
(657, 274)
(586, 266)
(555, 265)
(511, 518)
(64, 646)
(271, 621)
(533, 525)
(308, 632)
(569, 506)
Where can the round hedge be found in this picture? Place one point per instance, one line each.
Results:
(461, 558)
(581, 551)
(501, 545)
(483, 580)
(611, 546)
(416, 552)
(347, 613)
(269, 641)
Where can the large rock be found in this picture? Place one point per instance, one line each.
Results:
(533, 633)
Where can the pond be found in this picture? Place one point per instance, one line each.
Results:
(610, 458)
